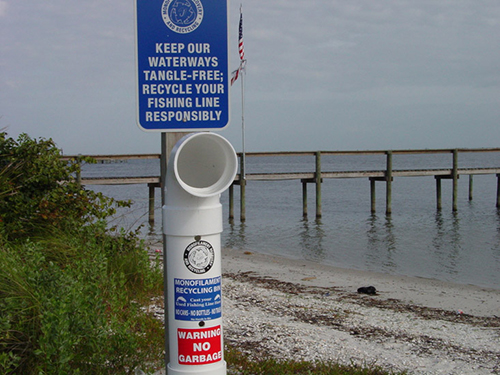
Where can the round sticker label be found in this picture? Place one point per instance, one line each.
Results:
(199, 257)
(182, 16)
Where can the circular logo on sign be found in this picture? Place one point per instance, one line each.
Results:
(182, 16)
(199, 257)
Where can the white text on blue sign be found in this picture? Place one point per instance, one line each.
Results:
(198, 299)
(182, 65)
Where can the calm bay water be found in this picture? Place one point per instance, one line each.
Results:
(416, 240)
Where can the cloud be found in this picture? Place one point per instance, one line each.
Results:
(342, 67)
(3, 8)
(351, 45)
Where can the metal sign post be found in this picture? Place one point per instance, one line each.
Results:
(182, 65)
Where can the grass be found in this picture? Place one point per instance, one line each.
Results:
(240, 364)
(70, 303)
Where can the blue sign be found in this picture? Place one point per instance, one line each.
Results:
(198, 299)
(182, 65)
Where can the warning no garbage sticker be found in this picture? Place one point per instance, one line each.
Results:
(199, 346)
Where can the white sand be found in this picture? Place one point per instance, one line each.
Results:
(412, 290)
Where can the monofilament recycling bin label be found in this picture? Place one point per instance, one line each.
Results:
(198, 299)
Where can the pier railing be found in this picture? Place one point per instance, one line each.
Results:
(317, 175)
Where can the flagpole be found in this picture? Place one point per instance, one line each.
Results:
(242, 62)
(234, 76)
(243, 126)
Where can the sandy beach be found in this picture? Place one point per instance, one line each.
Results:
(411, 290)
(306, 311)
(295, 309)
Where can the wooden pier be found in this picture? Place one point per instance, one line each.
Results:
(152, 181)
(317, 176)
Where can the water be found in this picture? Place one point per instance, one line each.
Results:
(416, 240)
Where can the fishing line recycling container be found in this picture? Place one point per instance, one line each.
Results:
(200, 168)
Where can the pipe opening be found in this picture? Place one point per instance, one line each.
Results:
(205, 164)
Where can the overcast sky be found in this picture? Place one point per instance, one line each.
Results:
(321, 74)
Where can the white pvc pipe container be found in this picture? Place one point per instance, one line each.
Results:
(200, 168)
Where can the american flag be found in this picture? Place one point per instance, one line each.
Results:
(241, 50)
(235, 75)
(240, 43)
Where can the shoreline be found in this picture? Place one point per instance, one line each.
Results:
(299, 310)
(424, 292)
(431, 293)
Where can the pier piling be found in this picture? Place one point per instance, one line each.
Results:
(231, 202)
(471, 178)
(455, 180)
(439, 202)
(304, 197)
(498, 190)
(373, 206)
(388, 191)
(318, 184)
(151, 206)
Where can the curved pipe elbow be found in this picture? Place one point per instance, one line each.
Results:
(200, 168)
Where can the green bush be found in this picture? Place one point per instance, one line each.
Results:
(38, 189)
(70, 291)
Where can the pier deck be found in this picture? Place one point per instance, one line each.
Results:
(301, 175)
(386, 175)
